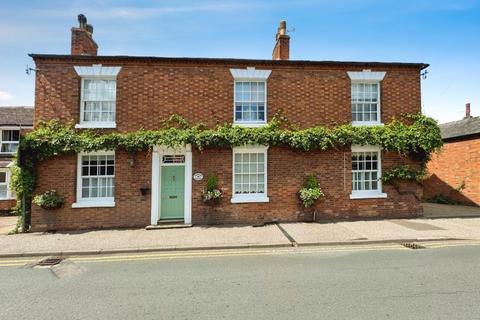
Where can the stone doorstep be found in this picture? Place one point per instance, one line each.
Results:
(168, 226)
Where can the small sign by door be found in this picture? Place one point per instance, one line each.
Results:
(198, 176)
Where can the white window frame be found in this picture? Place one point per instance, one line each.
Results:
(369, 194)
(250, 74)
(92, 202)
(10, 195)
(9, 142)
(96, 72)
(252, 197)
(367, 77)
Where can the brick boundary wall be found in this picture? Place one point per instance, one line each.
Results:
(457, 164)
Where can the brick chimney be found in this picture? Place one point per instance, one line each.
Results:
(467, 111)
(82, 41)
(281, 51)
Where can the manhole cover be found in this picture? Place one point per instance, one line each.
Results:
(49, 262)
(412, 245)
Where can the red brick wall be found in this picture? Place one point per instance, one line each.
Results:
(131, 208)
(82, 43)
(287, 169)
(149, 92)
(7, 205)
(457, 164)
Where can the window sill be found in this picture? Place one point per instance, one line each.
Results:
(249, 199)
(368, 195)
(7, 199)
(88, 125)
(94, 204)
(250, 124)
(366, 124)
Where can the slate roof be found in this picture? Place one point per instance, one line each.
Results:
(460, 128)
(16, 116)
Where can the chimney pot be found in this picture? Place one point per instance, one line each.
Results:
(282, 30)
(89, 28)
(82, 21)
(467, 111)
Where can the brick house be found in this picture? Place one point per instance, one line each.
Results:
(259, 183)
(13, 121)
(454, 171)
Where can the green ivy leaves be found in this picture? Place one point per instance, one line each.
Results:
(54, 138)
(416, 135)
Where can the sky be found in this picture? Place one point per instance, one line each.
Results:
(444, 34)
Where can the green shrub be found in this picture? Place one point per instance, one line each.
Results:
(441, 199)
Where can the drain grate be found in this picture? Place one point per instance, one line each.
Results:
(412, 245)
(49, 262)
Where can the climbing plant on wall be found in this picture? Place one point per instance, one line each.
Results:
(415, 136)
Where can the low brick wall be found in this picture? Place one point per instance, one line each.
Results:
(6, 206)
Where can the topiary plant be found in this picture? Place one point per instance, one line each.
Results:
(310, 192)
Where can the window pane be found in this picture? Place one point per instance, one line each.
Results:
(3, 191)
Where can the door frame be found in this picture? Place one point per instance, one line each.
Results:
(157, 154)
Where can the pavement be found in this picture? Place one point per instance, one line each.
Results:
(378, 281)
(7, 224)
(222, 237)
(434, 210)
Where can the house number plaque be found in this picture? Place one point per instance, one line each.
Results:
(198, 176)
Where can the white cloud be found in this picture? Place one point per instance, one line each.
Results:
(4, 95)
(145, 12)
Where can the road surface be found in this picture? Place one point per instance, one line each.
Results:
(364, 282)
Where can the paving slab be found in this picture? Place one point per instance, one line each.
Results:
(311, 233)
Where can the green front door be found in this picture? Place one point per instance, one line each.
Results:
(173, 192)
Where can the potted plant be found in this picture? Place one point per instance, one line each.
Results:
(212, 194)
(310, 193)
(49, 200)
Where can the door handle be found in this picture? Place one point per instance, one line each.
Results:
(173, 197)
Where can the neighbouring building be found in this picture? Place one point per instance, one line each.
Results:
(260, 183)
(13, 121)
(454, 172)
